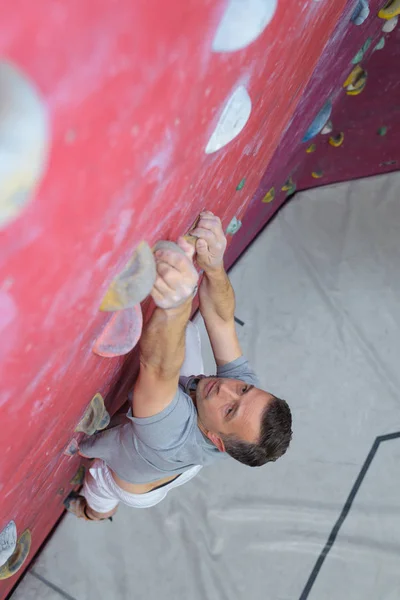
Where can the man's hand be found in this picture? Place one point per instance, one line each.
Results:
(176, 276)
(211, 242)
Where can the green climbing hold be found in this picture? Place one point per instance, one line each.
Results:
(382, 130)
(234, 226)
(360, 54)
(240, 185)
(380, 44)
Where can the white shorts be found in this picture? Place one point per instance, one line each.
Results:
(103, 494)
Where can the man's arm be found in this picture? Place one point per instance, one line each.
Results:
(162, 345)
(217, 298)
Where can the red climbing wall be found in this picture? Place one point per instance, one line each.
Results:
(127, 96)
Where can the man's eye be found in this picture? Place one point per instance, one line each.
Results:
(244, 389)
(229, 411)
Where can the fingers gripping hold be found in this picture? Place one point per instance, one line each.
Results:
(176, 275)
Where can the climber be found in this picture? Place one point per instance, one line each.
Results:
(181, 420)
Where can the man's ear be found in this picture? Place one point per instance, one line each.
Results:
(216, 440)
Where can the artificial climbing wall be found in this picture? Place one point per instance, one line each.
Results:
(118, 124)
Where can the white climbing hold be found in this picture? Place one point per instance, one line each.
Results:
(327, 129)
(390, 25)
(242, 23)
(232, 120)
(8, 542)
(24, 141)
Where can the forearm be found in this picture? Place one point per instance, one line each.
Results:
(216, 295)
(162, 345)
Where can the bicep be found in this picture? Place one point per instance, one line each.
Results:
(224, 340)
(152, 392)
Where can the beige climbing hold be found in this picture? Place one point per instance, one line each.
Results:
(389, 10)
(269, 196)
(121, 334)
(356, 81)
(312, 148)
(189, 237)
(133, 283)
(95, 418)
(337, 140)
(18, 557)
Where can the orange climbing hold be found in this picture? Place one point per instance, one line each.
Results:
(133, 283)
(121, 334)
(389, 10)
(356, 81)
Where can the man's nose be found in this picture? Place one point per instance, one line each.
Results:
(226, 391)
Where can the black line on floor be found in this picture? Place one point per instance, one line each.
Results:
(345, 511)
(239, 321)
(51, 585)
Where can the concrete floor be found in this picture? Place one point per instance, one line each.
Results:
(318, 293)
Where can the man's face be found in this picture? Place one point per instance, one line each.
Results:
(230, 407)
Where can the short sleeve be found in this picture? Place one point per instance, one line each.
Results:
(169, 429)
(239, 369)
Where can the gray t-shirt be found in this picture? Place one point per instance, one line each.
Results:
(147, 449)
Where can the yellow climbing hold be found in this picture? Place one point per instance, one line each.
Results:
(287, 185)
(317, 174)
(337, 140)
(312, 148)
(133, 283)
(356, 81)
(78, 477)
(269, 196)
(18, 557)
(389, 10)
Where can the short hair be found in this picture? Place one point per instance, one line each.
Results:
(275, 436)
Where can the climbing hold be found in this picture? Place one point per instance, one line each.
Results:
(240, 185)
(360, 54)
(78, 477)
(289, 187)
(337, 140)
(189, 237)
(18, 557)
(390, 9)
(328, 128)
(360, 13)
(380, 44)
(133, 283)
(8, 541)
(24, 141)
(269, 196)
(233, 226)
(382, 130)
(319, 121)
(242, 23)
(390, 25)
(121, 334)
(356, 81)
(72, 448)
(312, 148)
(317, 174)
(95, 418)
(233, 118)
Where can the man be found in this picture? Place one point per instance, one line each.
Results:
(177, 423)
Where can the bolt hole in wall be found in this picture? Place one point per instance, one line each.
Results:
(24, 141)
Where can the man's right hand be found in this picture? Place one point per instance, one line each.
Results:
(176, 275)
(211, 242)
